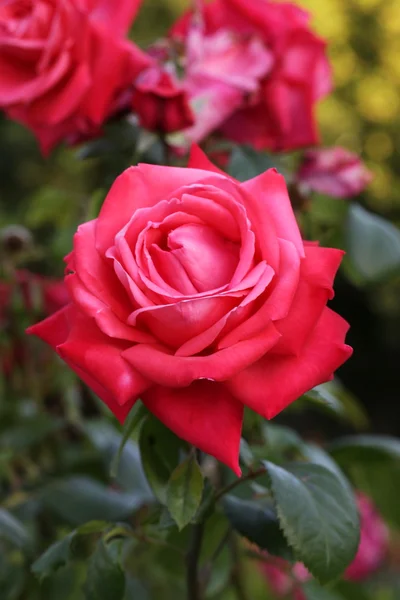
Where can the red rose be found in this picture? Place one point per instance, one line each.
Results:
(279, 114)
(333, 171)
(160, 102)
(64, 64)
(196, 293)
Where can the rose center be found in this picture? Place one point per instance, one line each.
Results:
(208, 259)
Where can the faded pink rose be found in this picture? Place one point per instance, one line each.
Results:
(63, 64)
(277, 110)
(374, 541)
(221, 70)
(335, 171)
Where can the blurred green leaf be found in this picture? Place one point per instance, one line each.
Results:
(136, 416)
(373, 244)
(159, 450)
(318, 516)
(105, 578)
(372, 464)
(365, 447)
(333, 399)
(129, 474)
(184, 491)
(57, 555)
(258, 522)
(12, 530)
(246, 163)
(80, 499)
(313, 591)
(30, 431)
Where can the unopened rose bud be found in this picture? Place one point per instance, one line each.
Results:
(15, 239)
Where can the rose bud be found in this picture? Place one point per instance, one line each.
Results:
(264, 68)
(160, 102)
(196, 293)
(333, 171)
(64, 64)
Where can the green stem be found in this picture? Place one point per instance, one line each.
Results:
(237, 576)
(192, 563)
(228, 488)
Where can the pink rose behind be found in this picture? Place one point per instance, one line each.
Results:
(336, 172)
(277, 110)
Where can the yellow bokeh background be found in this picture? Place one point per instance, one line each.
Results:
(363, 113)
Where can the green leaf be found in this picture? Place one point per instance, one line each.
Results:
(184, 491)
(12, 530)
(318, 516)
(56, 556)
(29, 432)
(159, 450)
(247, 163)
(313, 591)
(315, 454)
(372, 464)
(258, 522)
(81, 499)
(129, 475)
(105, 578)
(135, 418)
(373, 244)
(366, 447)
(334, 399)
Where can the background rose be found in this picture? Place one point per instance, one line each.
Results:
(63, 64)
(335, 171)
(280, 114)
(161, 102)
(196, 293)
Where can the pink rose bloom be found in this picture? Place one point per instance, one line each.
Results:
(335, 171)
(64, 64)
(196, 293)
(284, 580)
(276, 107)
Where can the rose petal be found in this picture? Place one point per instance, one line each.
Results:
(139, 187)
(317, 273)
(54, 331)
(205, 415)
(159, 365)
(271, 191)
(116, 16)
(94, 353)
(271, 384)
